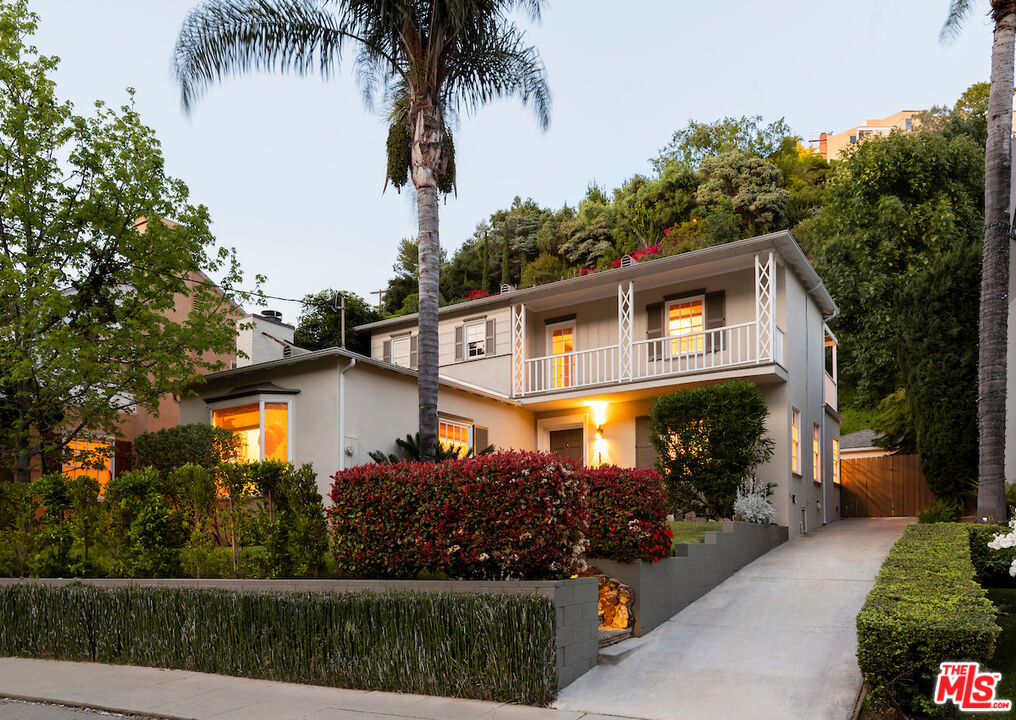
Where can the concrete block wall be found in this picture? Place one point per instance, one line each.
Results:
(664, 588)
(576, 620)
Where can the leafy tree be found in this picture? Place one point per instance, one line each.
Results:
(87, 286)
(993, 318)
(544, 269)
(320, 324)
(752, 186)
(428, 58)
(697, 141)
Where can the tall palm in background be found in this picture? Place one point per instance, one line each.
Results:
(427, 60)
(994, 310)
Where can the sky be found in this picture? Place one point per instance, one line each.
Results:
(292, 169)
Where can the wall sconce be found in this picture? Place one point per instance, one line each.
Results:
(599, 408)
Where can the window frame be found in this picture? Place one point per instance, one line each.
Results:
(795, 442)
(260, 401)
(466, 350)
(687, 341)
(816, 454)
(408, 340)
(466, 425)
(837, 478)
(568, 357)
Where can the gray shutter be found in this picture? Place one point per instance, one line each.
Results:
(413, 350)
(645, 452)
(480, 440)
(654, 326)
(491, 348)
(458, 342)
(715, 317)
(386, 351)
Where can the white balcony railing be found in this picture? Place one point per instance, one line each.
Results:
(830, 391)
(572, 370)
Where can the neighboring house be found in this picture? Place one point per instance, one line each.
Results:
(861, 444)
(831, 144)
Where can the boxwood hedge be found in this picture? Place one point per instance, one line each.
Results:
(925, 608)
(485, 646)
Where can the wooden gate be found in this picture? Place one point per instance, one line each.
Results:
(887, 486)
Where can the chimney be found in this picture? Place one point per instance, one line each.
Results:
(262, 337)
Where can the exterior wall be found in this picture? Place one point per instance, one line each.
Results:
(834, 144)
(255, 343)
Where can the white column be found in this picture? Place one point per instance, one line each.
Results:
(625, 296)
(765, 315)
(518, 350)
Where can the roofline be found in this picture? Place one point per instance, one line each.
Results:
(782, 241)
(337, 352)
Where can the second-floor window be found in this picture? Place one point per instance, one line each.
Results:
(686, 323)
(401, 351)
(475, 338)
(561, 339)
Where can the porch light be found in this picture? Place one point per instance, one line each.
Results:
(599, 408)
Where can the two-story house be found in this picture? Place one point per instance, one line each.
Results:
(574, 367)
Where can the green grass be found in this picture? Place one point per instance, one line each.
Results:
(1004, 660)
(690, 531)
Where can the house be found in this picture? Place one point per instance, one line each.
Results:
(831, 144)
(573, 367)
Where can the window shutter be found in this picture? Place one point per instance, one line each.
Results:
(491, 339)
(654, 326)
(479, 439)
(413, 350)
(715, 317)
(645, 452)
(386, 351)
(458, 342)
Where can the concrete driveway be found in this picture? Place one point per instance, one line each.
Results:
(776, 640)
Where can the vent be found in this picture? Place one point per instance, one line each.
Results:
(287, 350)
(232, 364)
(272, 315)
(506, 288)
(628, 261)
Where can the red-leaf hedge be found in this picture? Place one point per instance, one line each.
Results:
(628, 514)
(506, 515)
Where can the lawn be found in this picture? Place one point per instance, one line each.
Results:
(691, 531)
(1004, 660)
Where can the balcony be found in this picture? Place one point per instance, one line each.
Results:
(732, 346)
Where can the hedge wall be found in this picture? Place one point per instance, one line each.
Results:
(490, 647)
(925, 608)
(627, 514)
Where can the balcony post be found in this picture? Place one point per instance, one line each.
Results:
(625, 304)
(765, 315)
(518, 350)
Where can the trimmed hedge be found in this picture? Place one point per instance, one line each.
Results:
(925, 608)
(512, 515)
(627, 514)
(490, 647)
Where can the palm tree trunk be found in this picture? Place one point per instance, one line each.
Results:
(991, 374)
(427, 164)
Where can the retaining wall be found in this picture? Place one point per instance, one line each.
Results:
(574, 601)
(664, 588)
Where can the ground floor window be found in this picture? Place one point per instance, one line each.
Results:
(836, 460)
(263, 428)
(90, 458)
(454, 434)
(816, 455)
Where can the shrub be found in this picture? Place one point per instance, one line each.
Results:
(198, 444)
(752, 502)
(144, 532)
(707, 440)
(490, 647)
(925, 608)
(66, 526)
(500, 516)
(627, 514)
(943, 510)
(992, 566)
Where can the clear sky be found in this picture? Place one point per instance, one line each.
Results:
(292, 169)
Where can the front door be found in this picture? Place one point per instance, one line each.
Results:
(567, 443)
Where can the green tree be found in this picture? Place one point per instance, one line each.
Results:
(993, 319)
(697, 141)
(431, 58)
(86, 287)
(320, 324)
(750, 184)
(544, 269)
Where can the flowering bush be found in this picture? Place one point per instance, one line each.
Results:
(476, 295)
(628, 514)
(640, 255)
(751, 504)
(586, 271)
(499, 516)
(1006, 541)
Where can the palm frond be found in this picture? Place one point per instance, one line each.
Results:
(958, 11)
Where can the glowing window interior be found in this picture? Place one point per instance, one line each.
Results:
(562, 342)
(685, 323)
(262, 437)
(90, 458)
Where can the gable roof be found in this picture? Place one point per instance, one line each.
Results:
(781, 242)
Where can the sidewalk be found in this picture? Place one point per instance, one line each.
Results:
(196, 696)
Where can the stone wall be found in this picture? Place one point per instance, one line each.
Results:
(665, 588)
(574, 603)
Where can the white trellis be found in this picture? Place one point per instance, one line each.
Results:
(518, 350)
(765, 314)
(624, 329)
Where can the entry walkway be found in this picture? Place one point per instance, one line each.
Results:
(776, 640)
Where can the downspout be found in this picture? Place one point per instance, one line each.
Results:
(342, 412)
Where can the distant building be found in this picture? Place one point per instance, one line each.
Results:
(830, 145)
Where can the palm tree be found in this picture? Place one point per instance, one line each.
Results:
(428, 60)
(994, 310)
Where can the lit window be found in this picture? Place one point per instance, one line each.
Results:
(562, 342)
(475, 335)
(454, 434)
(263, 429)
(795, 442)
(816, 456)
(836, 460)
(401, 351)
(686, 323)
(90, 458)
